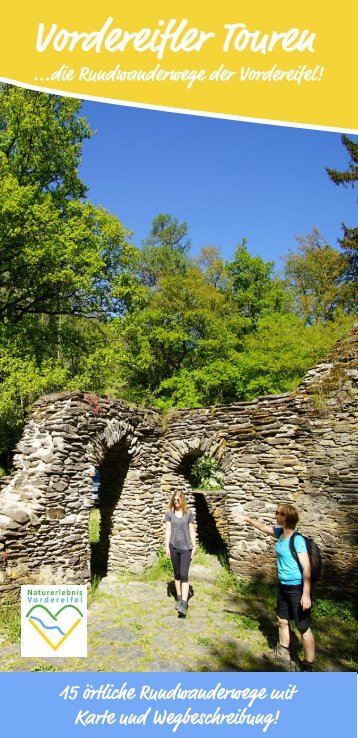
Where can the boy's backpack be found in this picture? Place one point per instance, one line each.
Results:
(314, 555)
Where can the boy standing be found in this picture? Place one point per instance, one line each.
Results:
(294, 595)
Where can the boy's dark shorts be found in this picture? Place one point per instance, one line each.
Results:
(289, 606)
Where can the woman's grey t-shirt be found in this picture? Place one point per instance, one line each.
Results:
(180, 536)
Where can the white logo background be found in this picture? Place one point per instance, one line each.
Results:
(53, 620)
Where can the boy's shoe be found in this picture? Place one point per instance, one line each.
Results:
(280, 656)
(178, 600)
(182, 608)
(306, 665)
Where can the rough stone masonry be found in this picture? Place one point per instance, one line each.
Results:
(299, 447)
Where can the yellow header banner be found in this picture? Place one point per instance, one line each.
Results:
(275, 62)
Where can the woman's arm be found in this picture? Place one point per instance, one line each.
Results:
(192, 538)
(259, 524)
(306, 573)
(168, 530)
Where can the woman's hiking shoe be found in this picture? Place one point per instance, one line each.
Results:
(281, 657)
(182, 608)
(178, 600)
(306, 666)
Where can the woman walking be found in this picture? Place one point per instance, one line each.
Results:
(180, 546)
(294, 595)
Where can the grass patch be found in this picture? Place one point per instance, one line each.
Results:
(160, 571)
(94, 525)
(256, 588)
(201, 557)
(334, 622)
(247, 589)
(10, 621)
(343, 610)
(92, 591)
(203, 641)
(335, 627)
(243, 621)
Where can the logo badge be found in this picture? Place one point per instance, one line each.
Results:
(53, 620)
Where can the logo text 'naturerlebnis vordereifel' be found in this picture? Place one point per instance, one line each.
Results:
(53, 620)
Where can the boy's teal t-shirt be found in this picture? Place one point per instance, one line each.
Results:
(287, 568)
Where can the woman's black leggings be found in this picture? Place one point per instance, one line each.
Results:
(181, 562)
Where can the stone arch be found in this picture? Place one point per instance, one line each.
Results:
(209, 505)
(113, 470)
(47, 500)
(111, 453)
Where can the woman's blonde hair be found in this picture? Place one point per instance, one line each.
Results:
(290, 513)
(183, 502)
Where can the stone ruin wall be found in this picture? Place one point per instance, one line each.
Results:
(45, 504)
(299, 447)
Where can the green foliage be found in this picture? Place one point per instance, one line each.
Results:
(257, 589)
(160, 571)
(349, 242)
(206, 473)
(341, 609)
(248, 588)
(350, 176)
(55, 261)
(252, 588)
(273, 359)
(185, 324)
(204, 641)
(22, 382)
(93, 588)
(253, 290)
(243, 622)
(167, 231)
(212, 266)
(10, 621)
(165, 250)
(57, 253)
(202, 557)
(44, 667)
(280, 352)
(94, 525)
(60, 257)
(315, 275)
(40, 139)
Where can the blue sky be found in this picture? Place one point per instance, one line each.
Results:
(226, 179)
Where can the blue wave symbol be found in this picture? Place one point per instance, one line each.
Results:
(47, 627)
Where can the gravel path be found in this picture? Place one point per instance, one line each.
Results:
(133, 626)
